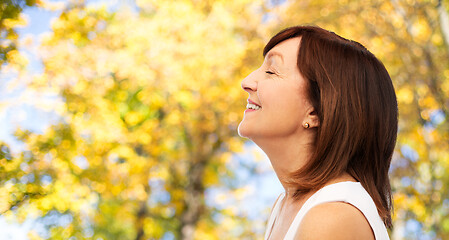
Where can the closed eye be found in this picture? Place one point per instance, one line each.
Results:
(269, 72)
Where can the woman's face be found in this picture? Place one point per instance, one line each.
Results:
(277, 105)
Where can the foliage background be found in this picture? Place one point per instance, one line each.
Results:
(145, 100)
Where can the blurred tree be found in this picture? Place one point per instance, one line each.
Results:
(151, 106)
(412, 40)
(9, 19)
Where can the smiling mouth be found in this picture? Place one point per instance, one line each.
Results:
(252, 106)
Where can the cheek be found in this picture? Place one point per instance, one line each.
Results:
(282, 99)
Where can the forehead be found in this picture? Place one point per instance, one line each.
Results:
(287, 50)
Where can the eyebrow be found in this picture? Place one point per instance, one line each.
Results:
(271, 54)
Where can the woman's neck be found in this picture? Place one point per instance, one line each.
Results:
(287, 155)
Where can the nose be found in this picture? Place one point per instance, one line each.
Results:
(249, 84)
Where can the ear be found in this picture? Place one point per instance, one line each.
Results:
(312, 118)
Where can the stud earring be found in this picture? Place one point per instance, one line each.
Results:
(306, 125)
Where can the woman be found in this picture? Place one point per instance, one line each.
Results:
(323, 109)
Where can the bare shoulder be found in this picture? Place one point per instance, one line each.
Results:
(336, 220)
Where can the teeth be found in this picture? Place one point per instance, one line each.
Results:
(252, 106)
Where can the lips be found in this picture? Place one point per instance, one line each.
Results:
(252, 106)
(251, 102)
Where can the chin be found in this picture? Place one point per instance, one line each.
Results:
(241, 130)
(245, 130)
(249, 131)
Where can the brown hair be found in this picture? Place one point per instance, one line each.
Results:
(354, 99)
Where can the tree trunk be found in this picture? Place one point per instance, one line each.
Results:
(194, 201)
(444, 22)
(141, 215)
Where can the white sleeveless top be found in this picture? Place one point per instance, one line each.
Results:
(348, 192)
